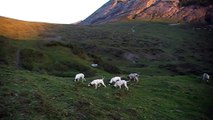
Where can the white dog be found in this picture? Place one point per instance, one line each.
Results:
(114, 79)
(133, 76)
(97, 83)
(120, 83)
(205, 77)
(79, 76)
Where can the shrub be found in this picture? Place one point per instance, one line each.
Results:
(50, 43)
(183, 68)
(65, 69)
(104, 65)
(2, 50)
(30, 59)
(74, 48)
(78, 51)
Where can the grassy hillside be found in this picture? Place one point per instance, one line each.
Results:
(150, 46)
(29, 95)
(36, 80)
(17, 29)
(51, 57)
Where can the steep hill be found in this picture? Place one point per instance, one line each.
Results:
(191, 11)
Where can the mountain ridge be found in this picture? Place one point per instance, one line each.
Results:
(150, 10)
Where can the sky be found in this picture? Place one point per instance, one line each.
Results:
(52, 11)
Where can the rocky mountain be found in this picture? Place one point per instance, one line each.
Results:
(153, 10)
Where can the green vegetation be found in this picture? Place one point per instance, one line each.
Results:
(29, 95)
(36, 76)
(55, 58)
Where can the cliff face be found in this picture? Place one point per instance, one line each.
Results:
(154, 10)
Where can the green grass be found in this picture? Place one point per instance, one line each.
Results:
(169, 59)
(52, 58)
(29, 95)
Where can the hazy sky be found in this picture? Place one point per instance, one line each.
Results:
(53, 11)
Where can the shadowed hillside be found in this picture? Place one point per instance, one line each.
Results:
(37, 71)
(179, 48)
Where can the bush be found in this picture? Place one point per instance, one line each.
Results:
(104, 65)
(78, 51)
(183, 68)
(65, 69)
(51, 43)
(74, 48)
(2, 50)
(31, 59)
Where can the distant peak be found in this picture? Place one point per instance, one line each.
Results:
(152, 10)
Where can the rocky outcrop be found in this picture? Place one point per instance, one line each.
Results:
(151, 10)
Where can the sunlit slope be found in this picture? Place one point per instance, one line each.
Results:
(18, 29)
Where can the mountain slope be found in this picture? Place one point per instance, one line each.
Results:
(18, 29)
(139, 46)
(36, 73)
(149, 10)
